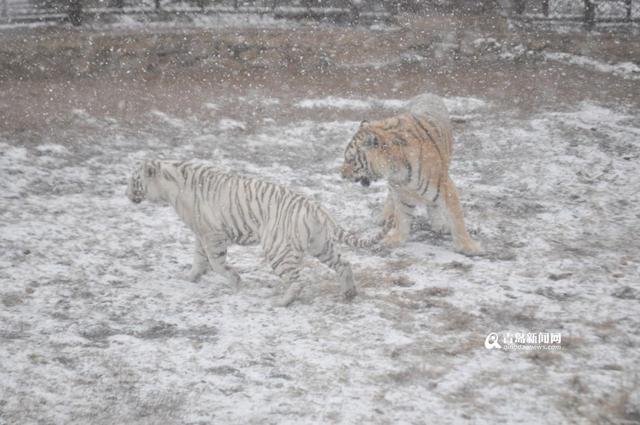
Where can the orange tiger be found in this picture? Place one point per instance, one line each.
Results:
(412, 151)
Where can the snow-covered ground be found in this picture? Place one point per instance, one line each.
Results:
(627, 70)
(96, 326)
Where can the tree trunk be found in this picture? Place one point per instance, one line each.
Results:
(75, 12)
(589, 14)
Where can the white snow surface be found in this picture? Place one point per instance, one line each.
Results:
(96, 325)
(626, 70)
(460, 107)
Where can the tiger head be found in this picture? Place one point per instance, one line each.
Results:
(144, 182)
(359, 154)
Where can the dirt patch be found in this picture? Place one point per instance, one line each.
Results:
(48, 72)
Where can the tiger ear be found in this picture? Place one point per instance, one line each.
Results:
(371, 141)
(150, 169)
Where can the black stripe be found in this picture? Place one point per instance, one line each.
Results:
(252, 197)
(409, 169)
(280, 259)
(234, 224)
(242, 216)
(210, 180)
(259, 200)
(407, 205)
(419, 173)
(270, 192)
(361, 162)
(279, 237)
(428, 182)
(435, 144)
(306, 227)
(438, 193)
(219, 254)
(168, 176)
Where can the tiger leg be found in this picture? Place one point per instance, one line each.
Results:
(438, 218)
(286, 263)
(399, 233)
(217, 254)
(329, 255)
(200, 263)
(387, 215)
(450, 203)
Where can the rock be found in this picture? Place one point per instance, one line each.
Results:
(559, 276)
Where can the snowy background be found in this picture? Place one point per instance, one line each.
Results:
(96, 327)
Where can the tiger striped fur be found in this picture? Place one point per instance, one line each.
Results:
(412, 151)
(223, 209)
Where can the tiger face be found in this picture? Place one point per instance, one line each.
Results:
(357, 166)
(143, 183)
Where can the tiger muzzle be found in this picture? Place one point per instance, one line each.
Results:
(134, 196)
(347, 173)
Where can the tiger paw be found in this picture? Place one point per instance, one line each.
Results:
(350, 293)
(282, 301)
(384, 220)
(277, 303)
(438, 225)
(470, 248)
(392, 240)
(191, 276)
(231, 276)
(234, 281)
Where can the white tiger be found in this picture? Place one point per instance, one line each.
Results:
(223, 209)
